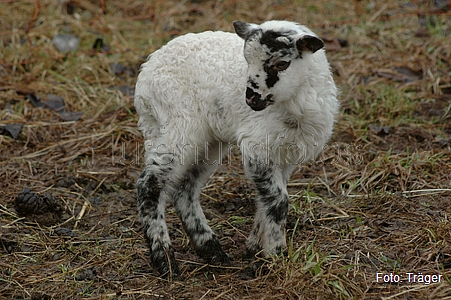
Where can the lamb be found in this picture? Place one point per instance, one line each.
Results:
(268, 89)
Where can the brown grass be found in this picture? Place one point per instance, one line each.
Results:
(376, 201)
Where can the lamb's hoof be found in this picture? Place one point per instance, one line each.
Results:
(163, 260)
(172, 273)
(167, 270)
(219, 259)
(252, 253)
(252, 270)
(213, 254)
(258, 253)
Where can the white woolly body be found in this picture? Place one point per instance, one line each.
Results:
(194, 99)
(191, 92)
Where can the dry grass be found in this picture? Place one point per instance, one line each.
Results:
(377, 200)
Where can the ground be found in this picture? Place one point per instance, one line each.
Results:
(370, 219)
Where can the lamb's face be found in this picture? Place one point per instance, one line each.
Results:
(274, 53)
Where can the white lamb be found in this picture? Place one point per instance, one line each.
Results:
(198, 95)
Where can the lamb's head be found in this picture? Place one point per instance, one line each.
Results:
(277, 53)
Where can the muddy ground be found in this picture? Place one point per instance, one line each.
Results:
(370, 219)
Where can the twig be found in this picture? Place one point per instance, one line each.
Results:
(97, 187)
(204, 295)
(86, 204)
(416, 288)
(295, 184)
(13, 222)
(96, 173)
(135, 292)
(33, 19)
(43, 151)
(210, 197)
(424, 192)
(5, 210)
(377, 14)
(102, 4)
(223, 293)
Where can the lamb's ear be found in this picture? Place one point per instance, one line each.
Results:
(244, 30)
(309, 42)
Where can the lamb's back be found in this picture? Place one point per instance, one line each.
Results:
(193, 78)
(194, 67)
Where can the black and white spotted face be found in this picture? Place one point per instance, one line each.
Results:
(275, 52)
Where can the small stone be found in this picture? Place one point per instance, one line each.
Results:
(62, 231)
(13, 129)
(65, 42)
(71, 115)
(55, 103)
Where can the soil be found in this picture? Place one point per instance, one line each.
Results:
(368, 220)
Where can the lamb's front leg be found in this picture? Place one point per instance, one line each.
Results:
(151, 206)
(268, 233)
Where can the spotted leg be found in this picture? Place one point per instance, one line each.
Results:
(187, 205)
(151, 206)
(268, 232)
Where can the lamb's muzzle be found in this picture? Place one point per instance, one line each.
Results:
(255, 101)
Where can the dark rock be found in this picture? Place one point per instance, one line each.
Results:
(43, 209)
(62, 231)
(13, 129)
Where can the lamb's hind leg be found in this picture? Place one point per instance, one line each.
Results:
(268, 233)
(151, 206)
(187, 205)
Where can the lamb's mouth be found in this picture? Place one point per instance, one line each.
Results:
(259, 104)
(255, 101)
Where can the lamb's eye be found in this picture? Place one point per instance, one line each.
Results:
(281, 65)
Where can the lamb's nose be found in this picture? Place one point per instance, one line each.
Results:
(251, 96)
